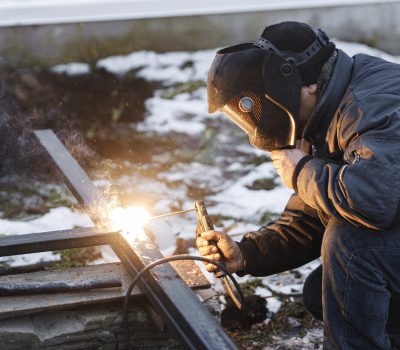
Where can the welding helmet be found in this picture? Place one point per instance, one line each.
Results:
(259, 88)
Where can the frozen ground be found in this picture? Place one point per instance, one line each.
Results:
(224, 169)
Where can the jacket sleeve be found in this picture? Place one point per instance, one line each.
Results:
(287, 243)
(364, 190)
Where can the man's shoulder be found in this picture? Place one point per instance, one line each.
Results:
(373, 75)
(371, 100)
(364, 61)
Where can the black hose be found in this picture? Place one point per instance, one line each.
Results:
(165, 260)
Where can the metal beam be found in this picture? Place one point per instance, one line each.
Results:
(76, 179)
(170, 296)
(57, 240)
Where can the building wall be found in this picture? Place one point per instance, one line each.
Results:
(44, 45)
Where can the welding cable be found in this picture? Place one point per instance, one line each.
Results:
(163, 261)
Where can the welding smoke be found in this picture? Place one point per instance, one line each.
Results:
(20, 151)
(80, 109)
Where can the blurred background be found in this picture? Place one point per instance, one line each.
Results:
(48, 32)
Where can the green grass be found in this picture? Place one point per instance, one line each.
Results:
(75, 257)
(182, 88)
(249, 287)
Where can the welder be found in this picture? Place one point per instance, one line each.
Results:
(332, 125)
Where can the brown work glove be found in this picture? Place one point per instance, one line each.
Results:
(234, 260)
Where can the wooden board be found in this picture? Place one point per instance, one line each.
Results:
(28, 304)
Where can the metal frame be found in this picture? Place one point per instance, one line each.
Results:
(56, 240)
(173, 300)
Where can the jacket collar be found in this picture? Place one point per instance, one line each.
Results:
(318, 125)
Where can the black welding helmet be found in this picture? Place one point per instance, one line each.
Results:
(259, 88)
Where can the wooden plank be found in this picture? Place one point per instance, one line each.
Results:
(12, 306)
(191, 274)
(86, 328)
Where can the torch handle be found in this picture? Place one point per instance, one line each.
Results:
(205, 224)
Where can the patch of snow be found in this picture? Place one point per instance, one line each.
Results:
(241, 202)
(29, 259)
(182, 114)
(312, 340)
(285, 289)
(188, 173)
(240, 228)
(72, 69)
(273, 305)
(60, 218)
(167, 67)
(263, 292)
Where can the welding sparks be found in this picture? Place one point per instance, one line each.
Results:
(130, 220)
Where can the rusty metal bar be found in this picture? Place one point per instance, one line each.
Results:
(57, 240)
(23, 288)
(170, 296)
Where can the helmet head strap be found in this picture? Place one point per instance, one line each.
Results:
(296, 59)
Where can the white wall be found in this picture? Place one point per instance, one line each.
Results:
(33, 12)
(59, 31)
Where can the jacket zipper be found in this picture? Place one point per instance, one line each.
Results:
(356, 157)
(314, 149)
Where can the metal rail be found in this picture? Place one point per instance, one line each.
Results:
(179, 307)
(56, 240)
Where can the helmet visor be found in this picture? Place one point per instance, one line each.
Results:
(268, 125)
(245, 111)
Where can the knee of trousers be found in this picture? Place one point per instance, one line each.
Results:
(339, 242)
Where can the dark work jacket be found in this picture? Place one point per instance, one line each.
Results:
(354, 175)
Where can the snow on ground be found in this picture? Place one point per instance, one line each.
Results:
(228, 177)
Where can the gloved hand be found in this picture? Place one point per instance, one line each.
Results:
(234, 260)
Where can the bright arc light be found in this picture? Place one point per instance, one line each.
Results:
(130, 220)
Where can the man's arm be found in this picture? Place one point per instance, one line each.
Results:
(287, 243)
(364, 190)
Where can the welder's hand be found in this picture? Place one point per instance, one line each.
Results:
(231, 251)
(285, 162)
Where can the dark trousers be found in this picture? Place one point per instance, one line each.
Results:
(356, 290)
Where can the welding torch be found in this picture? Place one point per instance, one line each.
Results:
(204, 224)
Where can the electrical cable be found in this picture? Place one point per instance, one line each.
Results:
(163, 261)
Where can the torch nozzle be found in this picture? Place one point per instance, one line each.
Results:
(174, 213)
